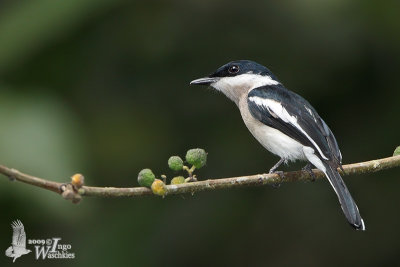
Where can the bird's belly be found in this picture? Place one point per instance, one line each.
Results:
(276, 142)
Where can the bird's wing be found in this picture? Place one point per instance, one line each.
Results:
(332, 143)
(19, 236)
(277, 107)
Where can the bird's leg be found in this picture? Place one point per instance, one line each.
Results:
(308, 168)
(276, 166)
(280, 173)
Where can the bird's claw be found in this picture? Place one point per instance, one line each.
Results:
(308, 169)
(281, 175)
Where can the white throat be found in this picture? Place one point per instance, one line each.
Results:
(235, 87)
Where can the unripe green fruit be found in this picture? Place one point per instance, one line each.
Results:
(197, 157)
(396, 151)
(146, 177)
(175, 163)
(178, 180)
(158, 187)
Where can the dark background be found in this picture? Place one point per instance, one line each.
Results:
(101, 88)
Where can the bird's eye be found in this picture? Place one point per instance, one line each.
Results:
(233, 69)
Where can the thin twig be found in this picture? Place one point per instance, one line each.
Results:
(207, 185)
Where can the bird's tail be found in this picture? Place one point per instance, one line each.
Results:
(347, 203)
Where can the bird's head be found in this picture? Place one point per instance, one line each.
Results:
(238, 77)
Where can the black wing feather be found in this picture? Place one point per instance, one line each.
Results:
(332, 143)
(307, 118)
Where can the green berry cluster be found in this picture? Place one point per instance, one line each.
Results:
(196, 158)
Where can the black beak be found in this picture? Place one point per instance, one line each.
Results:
(204, 81)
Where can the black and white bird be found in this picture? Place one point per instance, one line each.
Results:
(284, 123)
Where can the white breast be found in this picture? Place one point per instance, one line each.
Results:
(273, 140)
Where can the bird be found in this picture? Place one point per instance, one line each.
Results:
(18, 244)
(284, 123)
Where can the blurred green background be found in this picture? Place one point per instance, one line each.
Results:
(101, 88)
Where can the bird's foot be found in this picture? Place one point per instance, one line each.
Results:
(308, 169)
(280, 174)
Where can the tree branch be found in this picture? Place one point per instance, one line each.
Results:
(192, 187)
